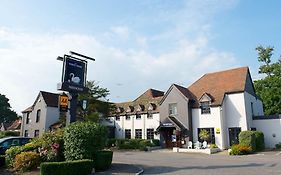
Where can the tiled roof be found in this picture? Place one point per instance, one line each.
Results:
(149, 97)
(16, 125)
(217, 84)
(51, 99)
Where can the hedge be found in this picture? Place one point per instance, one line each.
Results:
(248, 138)
(103, 160)
(81, 167)
(2, 160)
(259, 140)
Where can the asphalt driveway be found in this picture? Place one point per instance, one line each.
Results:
(166, 162)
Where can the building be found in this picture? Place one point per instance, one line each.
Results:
(41, 115)
(223, 103)
(140, 118)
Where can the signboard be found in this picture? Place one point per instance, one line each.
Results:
(63, 103)
(218, 131)
(74, 71)
(174, 138)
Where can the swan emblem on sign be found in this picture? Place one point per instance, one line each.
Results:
(74, 79)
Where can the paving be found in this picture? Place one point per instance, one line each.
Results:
(166, 162)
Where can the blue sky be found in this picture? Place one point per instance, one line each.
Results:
(137, 44)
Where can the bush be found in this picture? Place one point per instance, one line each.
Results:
(111, 143)
(278, 145)
(248, 138)
(103, 160)
(8, 133)
(240, 150)
(83, 139)
(2, 161)
(213, 146)
(259, 140)
(26, 161)
(81, 167)
(156, 142)
(11, 154)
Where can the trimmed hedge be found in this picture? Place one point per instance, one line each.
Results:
(259, 140)
(81, 167)
(248, 138)
(240, 149)
(103, 160)
(2, 160)
(83, 139)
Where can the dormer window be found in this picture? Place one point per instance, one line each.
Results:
(205, 107)
(130, 109)
(205, 102)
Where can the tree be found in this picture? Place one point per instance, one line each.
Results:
(97, 103)
(268, 88)
(204, 135)
(6, 114)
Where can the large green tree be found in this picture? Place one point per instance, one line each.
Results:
(269, 87)
(97, 103)
(6, 113)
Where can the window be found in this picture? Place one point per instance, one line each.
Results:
(149, 115)
(128, 117)
(36, 133)
(150, 133)
(253, 129)
(15, 142)
(127, 134)
(138, 134)
(138, 116)
(211, 138)
(117, 118)
(26, 133)
(205, 107)
(38, 115)
(173, 109)
(27, 118)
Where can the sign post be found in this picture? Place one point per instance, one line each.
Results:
(73, 80)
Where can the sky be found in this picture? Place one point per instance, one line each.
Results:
(137, 45)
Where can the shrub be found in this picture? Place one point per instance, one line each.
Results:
(8, 133)
(81, 167)
(259, 140)
(248, 138)
(26, 161)
(102, 160)
(240, 150)
(156, 142)
(278, 145)
(83, 139)
(2, 161)
(111, 143)
(213, 146)
(11, 154)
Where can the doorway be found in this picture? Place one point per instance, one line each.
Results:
(234, 135)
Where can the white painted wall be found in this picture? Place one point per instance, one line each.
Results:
(212, 120)
(144, 123)
(51, 117)
(269, 127)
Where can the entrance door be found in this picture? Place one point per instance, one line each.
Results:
(234, 135)
(167, 134)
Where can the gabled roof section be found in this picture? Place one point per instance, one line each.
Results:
(184, 91)
(51, 99)
(218, 84)
(150, 93)
(16, 125)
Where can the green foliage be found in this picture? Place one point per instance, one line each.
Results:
(83, 139)
(268, 88)
(248, 138)
(6, 114)
(156, 142)
(141, 144)
(102, 160)
(2, 160)
(81, 167)
(26, 161)
(278, 146)
(213, 146)
(240, 149)
(259, 140)
(8, 133)
(204, 134)
(97, 103)
(111, 143)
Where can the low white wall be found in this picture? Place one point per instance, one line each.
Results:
(270, 128)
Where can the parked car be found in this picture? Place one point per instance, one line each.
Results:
(8, 142)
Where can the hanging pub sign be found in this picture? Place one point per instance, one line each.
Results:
(63, 103)
(74, 74)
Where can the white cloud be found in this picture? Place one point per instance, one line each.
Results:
(28, 61)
